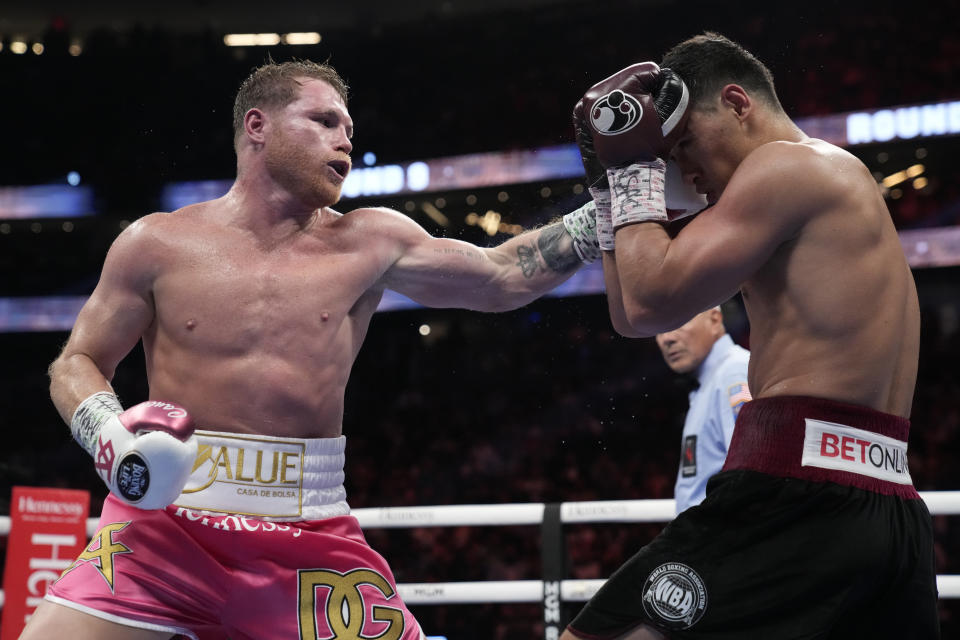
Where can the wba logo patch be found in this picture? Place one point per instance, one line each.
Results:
(675, 596)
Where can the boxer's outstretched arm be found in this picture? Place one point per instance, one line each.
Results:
(442, 272)
(109, 324)
(666, 281)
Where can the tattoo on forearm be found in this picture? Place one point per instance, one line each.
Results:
(528, 260)
(557, 250)
(449, 251)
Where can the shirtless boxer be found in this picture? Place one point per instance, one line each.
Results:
(813, 529)
(252, 308)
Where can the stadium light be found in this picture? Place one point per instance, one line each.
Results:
(306, 37)
(251, 39)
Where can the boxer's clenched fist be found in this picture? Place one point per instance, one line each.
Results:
(634, 115)
(144, 454)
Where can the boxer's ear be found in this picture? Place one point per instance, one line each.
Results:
(735, 97)
(254, 125)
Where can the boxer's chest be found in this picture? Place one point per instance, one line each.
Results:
(243, 294)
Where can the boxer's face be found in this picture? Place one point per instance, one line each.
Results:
(686, 348)
(308, 144)
(709, 150)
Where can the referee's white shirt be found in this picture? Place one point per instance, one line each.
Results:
(708, 426)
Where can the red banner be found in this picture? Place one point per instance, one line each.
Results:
(47, 533)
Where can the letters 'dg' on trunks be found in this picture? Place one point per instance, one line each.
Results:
(352, 605)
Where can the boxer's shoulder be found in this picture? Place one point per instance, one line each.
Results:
(800, 180)
(154, 228)
(371, 224)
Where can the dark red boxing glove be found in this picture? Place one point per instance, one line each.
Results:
(634, 115)
(631, 121)
(596, 180)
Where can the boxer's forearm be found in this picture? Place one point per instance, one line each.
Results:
(533, 264)
(652, 291)
(73, 378)
(618, 315)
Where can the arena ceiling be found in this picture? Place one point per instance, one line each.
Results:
(31, 18)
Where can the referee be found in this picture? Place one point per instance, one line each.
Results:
(717, 370)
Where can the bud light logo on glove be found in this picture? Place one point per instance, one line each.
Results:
(133, 478)
(615, 113)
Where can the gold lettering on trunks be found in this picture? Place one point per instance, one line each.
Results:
(273, 470)
(240, 467)
(283, 469)
(100, 552)
(346, 612)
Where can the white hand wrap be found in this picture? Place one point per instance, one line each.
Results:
(601, 197)
(144, 454)
(638, 193)
(581, 224)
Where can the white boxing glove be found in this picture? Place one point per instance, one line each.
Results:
(144, 454)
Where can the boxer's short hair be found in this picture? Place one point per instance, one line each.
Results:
(275, 85)
(709, 61)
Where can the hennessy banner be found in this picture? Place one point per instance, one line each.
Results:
(47, 532)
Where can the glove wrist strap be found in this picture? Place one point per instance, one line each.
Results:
(638, 193)
(581, 224)
(90, 417)
(602, 198)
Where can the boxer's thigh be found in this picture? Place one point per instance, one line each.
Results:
(52, 620)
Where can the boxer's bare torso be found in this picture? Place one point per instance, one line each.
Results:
(834, 311)
(254, 326)
(259, 335)
(803, 232)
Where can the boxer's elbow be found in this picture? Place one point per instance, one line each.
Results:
(640, 324)
(647, 315)
(57, 370)
(621, 324)
(499, 297)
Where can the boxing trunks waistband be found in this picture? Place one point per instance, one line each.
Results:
(279, 479)
(823, 440)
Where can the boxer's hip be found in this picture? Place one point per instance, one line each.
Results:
(822, 440)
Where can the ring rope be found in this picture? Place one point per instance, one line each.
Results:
(513, 591)
(945, 503)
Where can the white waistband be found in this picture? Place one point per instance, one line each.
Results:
(281, 479)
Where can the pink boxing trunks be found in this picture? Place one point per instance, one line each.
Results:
(211, 576)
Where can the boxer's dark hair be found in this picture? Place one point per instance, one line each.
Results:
(709, 61)
(275, 85)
